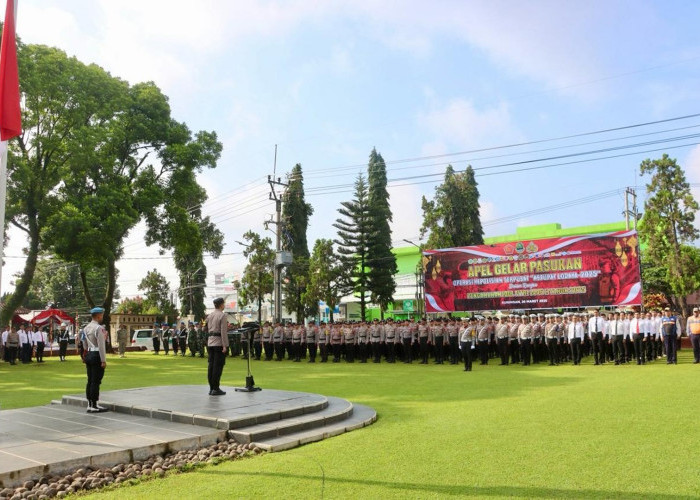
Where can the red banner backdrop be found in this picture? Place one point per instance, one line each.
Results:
(576, 271)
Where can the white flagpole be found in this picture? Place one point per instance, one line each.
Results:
(3, 195)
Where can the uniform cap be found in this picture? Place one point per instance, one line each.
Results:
(533, 315)
(97, 310)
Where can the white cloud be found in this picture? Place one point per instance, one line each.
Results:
(459, 124)
(692, 172)
(406, 212)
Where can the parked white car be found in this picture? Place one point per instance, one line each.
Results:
(142, 337)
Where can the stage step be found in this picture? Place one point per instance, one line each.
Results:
(337, 410)
(362, 416)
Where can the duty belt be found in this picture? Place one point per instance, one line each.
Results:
(214, 334)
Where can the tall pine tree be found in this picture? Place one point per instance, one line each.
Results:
(451, 218)
(295, 215)
(353, 243)
(380, 259)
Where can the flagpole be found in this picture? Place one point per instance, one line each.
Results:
(10, 112)
(3, 196)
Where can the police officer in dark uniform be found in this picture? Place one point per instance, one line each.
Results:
(669, 332)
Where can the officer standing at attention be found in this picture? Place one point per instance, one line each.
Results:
(217, 346)
(423, 340)
(692, 328)
(525, 337)
(575, 331)
(182, 340)
(638, 338)
(192, 338)
(617, 338)
(551, 335)
(267, 341)
(376, 334)
(63, 337)
(502, 332)
(157, 337)
(596, 327)
(669, 332)
(436, 338)
(467, 343)
(95, 358)
(122, 337)
(482, 333)
(513, 344)
(201, 338)
(312, 333)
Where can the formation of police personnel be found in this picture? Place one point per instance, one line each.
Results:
(192, 337)
(612, 337)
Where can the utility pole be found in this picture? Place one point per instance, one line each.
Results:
(630, 192)
(279, 260)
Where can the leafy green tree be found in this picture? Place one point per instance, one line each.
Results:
(451, 218)
(326, 275)
(136, 305)
(135, 170)
(59, 283)
(156, 290)
(668, 226)
(179, 225)
(65, 106)
(257, 280)
(380, 259)
(353, 243)
(295, 215)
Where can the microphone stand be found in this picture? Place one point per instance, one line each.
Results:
(249, 382)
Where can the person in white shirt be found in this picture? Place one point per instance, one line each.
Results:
(25, 341)
(650, 338)
(627, 345)
(575, 334)
(39, 339)
(658, 334)
(637, 326)
(596, 330)
(3, 346)
(615, 331)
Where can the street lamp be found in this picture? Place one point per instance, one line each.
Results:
(419, 279)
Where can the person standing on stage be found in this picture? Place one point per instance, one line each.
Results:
(692, 328)
(95, 360)
(217, 346)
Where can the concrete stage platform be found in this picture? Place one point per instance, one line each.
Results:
(61, 437)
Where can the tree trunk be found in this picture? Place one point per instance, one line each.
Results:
(25, 281)
(107, 304)
(86, 289)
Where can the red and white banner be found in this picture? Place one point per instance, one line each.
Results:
(577, 271)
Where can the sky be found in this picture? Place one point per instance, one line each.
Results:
(425, 83)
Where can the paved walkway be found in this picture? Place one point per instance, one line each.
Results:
(62, 437)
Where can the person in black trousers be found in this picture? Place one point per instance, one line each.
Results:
(95, 358)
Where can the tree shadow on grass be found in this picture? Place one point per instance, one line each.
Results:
(460, 490)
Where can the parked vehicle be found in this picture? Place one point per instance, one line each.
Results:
(142, 337)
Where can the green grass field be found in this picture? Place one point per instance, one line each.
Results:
(526, 432)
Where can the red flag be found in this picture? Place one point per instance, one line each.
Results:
(10, 114)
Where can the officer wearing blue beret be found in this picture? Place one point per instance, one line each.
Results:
(95, 361)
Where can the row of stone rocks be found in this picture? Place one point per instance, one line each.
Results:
(156, 466)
